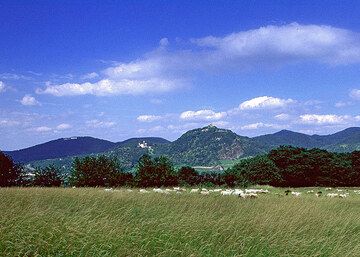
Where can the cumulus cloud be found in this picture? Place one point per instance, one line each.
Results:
(29, 100)
(202, 115)
(2, 86)
(287, 43)
(100, 124)
(265, 102)
(324, 119)
(148, 118)
(355, 94)
(63, 126)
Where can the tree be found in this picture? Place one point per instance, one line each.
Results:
(98, 171)
(155, 172)
(188, 176)
(10, 172)
(47, 177)
(258, 170)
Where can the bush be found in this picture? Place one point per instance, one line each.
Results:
(10, 172)
(47, 177)
(98, 171)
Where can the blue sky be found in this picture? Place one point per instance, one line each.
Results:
(120, 69)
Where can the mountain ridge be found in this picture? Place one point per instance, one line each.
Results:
(200, 146)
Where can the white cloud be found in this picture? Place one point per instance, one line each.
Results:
(287, 43)
(63, 126)
(163, 69)
(100, 124)
(265, 102)
(91, 75)
(357, 118)
(282, 116)
(324, 119)
(148, 118)
(355, 94)
(2, 86)
(29, 100)
(202, 115)
(42, 129)
(108, 87)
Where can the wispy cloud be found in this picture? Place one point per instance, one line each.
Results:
(14, 76)
(42, 129)
(282, 117)
(321, 119)
(100, 124)
(355, 94)
(148, 118)
(2, 86)
(63, 126)
(91, 75)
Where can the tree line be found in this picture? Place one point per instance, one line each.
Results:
(285, 166)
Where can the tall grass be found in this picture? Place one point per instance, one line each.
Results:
(91, 222)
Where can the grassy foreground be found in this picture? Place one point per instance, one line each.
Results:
(92, 222)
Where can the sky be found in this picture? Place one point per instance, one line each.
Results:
(121, 69)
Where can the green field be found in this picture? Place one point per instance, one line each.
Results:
(92, 222)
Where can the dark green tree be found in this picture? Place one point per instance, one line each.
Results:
(99, 171)
(10, 172)
(155, 172)
(47, 177)
(258, 170)
(188, 176)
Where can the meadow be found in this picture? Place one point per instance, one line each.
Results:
(94, 222)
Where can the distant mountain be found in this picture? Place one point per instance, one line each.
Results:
(73, 146)
(62, 147)
(287, 137)
(347, 140)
